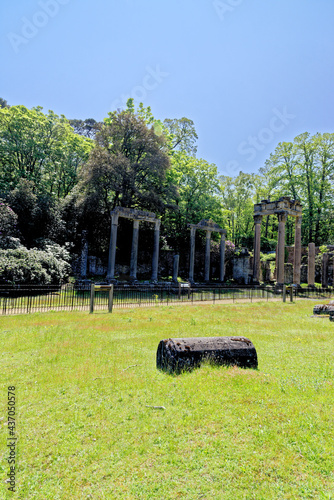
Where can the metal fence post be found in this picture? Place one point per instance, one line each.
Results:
(111, 298)
(92, 294)
(284, 293)
(291, 294)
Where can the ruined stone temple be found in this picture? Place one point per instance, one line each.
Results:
(283, 208)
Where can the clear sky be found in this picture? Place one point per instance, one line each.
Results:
(249, 73)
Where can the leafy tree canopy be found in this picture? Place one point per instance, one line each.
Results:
(39, 147)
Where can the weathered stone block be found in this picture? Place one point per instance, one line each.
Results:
(184, 354)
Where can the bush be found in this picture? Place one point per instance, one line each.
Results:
(32, 267)
(8, 222)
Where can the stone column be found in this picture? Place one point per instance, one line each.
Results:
(155, 258)
(134, 250)
(192, 254)
(297, 251)
(176, 260)
(257, 246)
(207, 256)
(281, 247)
(311, 264)
(92, 264)
(112, 247)
(84, 254)
(222, 257)
(324, 271)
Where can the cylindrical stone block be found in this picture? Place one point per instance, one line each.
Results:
(155, 258)
(112, 247)
(257, 245)
(176, 260)
(311, 264)
(324, 271)
(222, 257)
(177, 355)
(281, 248)
(207, 256)
(323, 309)
(297, 251)
(84, 254)
(134, 250)
(192, 254)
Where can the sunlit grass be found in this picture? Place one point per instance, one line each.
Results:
(85, 384)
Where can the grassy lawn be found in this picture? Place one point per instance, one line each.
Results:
(86, 384)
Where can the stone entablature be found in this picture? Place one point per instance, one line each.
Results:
(208, 225)
(132, 213)
(282, 205)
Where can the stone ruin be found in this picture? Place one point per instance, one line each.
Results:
(209, 226)
(282, 208)
(247, 271)
(136, 216)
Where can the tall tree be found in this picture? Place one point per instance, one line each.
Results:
(87, 128)
(128, 164)
(197, 197)
(303, 169)
(3, 103)
(41, 148)
(182, 135)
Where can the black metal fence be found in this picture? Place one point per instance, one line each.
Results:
(26, 299)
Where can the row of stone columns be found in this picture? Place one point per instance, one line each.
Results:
(207, 255)
(311, 267)
(134, 249)
(282, 218)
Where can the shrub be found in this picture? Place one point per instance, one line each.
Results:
(8, 222)
(32, 267)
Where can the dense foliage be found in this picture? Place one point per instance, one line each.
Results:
(59, 177)
(47, 267)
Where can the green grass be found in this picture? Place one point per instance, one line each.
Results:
(84, 430)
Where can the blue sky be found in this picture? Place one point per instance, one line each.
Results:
(249, 73)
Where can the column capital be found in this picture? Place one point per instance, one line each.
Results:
(114, 219)
(157, 225)
(282, 216)
(299, 221)
(135, 224)
(257, 219)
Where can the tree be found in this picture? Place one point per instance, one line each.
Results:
(127, 167)
(303, 169)
(181, 134)
(87, 128)
(39, 215)
(197, 197)
(3, 103)
(238, 197)
(40, 148)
